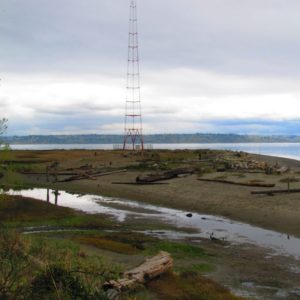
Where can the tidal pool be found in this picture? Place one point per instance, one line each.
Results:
(204, 225)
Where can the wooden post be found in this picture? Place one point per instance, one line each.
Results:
(56, 193)
(48, 196)
(47, 174)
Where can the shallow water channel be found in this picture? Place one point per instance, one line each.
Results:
(205, 225)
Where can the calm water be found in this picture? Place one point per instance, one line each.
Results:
(289, 150)
(223, 228)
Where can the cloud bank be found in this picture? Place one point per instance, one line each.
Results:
(217, 66)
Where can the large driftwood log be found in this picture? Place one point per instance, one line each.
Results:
(247, 183)
(109, 173)
(165, 175)
(271, 192)
(91, 175)
(141, 183)
(152, 268)
(50, 173)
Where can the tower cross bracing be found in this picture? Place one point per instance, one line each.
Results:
(133, 127)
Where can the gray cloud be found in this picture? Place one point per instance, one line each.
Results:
(63, 64)
(234, 37)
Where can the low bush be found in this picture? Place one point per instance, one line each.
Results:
(33, 268)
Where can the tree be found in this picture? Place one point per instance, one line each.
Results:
(3, 125)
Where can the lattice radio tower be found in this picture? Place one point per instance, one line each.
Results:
(133, 134)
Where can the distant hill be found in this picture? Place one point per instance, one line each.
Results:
(152, 139)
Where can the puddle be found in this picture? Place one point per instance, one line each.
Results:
(222, 228)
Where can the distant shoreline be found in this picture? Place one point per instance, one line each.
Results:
(196, 138)
(284, 150)
(158, 143)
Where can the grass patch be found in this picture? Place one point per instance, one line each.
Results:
(137, 240)
(17, 208)
(192, 265)
(189, 286)
(106, 244)
(119, 242)
(16, 211)
(202, 268)
(177, 250)
(39, 268)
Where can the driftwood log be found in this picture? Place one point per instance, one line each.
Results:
(91, 175)
(271, 192)
(50, 173)
(82, 172)
(247, 183)
(165, 175)
(141, 183)
(152, 268)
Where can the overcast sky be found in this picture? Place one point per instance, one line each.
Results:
(226, 66)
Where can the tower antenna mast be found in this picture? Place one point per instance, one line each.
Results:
(133, 127)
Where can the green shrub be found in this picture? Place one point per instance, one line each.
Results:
(34, 268)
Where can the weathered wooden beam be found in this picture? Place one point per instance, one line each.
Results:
(109, 173)
(91, 175)
(50, 173)
(247, 183)
(271, 192)
(141, 183)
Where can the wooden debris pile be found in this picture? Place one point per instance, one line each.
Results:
(277, 169)
(249, 165)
